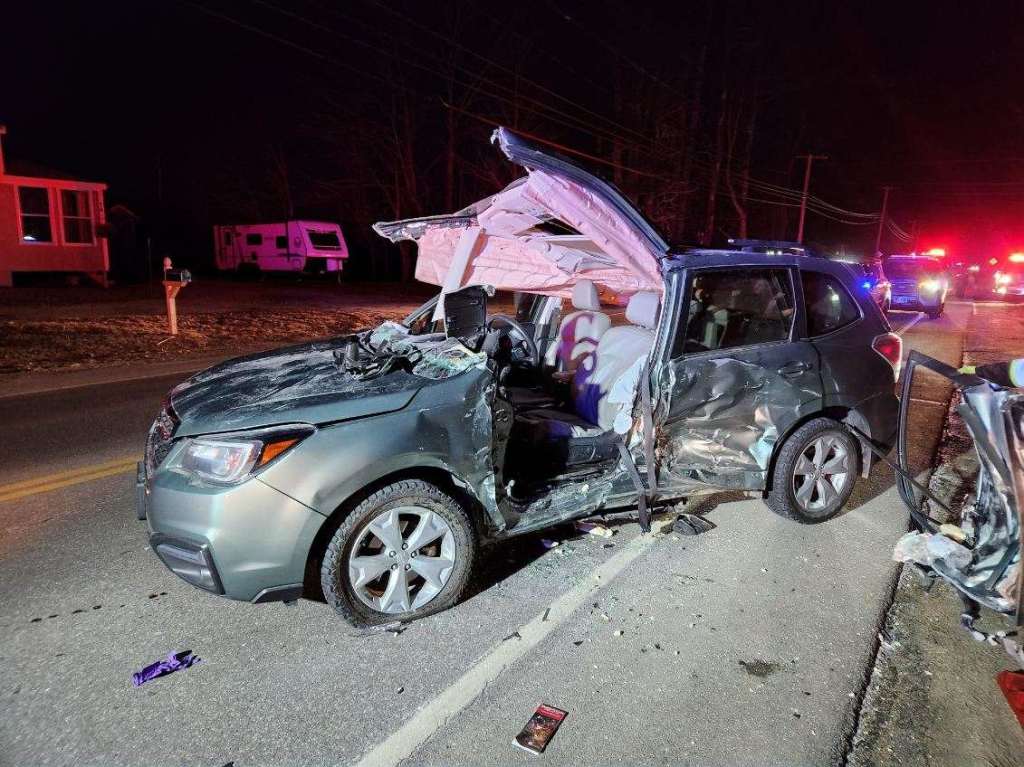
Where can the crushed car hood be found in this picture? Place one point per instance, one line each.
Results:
(297, 384)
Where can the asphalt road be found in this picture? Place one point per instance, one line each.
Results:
(748, 645)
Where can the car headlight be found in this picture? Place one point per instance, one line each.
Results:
(1002, 279)
(930, 285)
(229, 459)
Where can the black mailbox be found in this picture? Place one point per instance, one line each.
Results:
(184, 276)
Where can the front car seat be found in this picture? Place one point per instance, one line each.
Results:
(556, 439)
(579, 332)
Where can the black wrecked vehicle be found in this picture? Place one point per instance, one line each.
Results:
(373, 467)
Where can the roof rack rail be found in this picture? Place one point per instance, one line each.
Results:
(776, 247)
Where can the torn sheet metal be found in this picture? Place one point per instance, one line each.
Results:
(987, 567)
(539, 235)
(722, 422)
(990, 574)
(430, 356)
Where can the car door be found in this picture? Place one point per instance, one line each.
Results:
(740, 374)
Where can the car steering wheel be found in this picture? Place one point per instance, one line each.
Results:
(524, 339)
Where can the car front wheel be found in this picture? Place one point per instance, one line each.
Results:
(815, 472)
(404, 552)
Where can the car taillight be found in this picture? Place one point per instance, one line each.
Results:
(890, 346)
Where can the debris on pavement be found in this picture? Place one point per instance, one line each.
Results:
(394, 628)
(691, 524)
(663, 522)
(926, 548)
(176, 661)
(547, 543)
(593, 528)
(541, 728)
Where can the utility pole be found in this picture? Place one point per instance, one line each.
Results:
(881, 218)
(810, 158)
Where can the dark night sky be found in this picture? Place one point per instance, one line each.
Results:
(161, 96)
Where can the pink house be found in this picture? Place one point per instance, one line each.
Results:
(49, 222)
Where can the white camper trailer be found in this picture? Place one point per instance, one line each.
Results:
(314, 247)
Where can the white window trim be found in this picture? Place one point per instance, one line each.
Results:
(49, 209)
(60, 217)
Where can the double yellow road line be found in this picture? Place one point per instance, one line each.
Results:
(49, 482)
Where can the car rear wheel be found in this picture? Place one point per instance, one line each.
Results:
(403, 553)
(815, 472)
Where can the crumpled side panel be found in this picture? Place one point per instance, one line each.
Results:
(723, 422)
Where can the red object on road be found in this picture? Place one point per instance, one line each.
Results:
(1012, 685)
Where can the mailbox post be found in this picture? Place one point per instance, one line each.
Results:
(174, 280)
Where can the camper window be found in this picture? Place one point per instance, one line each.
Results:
(324, 240)
(254, 239)
(281, 241)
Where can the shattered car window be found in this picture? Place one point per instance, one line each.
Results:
(737, 307)
(391, 347)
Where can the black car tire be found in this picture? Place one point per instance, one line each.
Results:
(935, 312)
(782, 497)
(334, 572)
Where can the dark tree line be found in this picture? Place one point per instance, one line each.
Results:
(680, 111)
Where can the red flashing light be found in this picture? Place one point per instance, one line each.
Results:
(1017, 258)
(938, 252)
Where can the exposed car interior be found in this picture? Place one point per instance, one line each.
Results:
(570, 377)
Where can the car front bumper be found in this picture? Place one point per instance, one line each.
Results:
(915, 301)
(248, 541)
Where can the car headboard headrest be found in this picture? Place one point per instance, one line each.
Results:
(642, 310)
(584, 296)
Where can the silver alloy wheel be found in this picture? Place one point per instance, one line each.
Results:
(822, 472)
(402, 559)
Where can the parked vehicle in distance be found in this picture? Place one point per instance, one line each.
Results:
(1008, 279)
(372, 468)
(919, 283)
(872, 279)
(313, 247)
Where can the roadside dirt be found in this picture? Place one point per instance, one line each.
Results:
(55, 329)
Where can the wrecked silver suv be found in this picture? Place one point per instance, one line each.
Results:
(373, 467)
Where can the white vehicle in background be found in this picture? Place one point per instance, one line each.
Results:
(312, 247)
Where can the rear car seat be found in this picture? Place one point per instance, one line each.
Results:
(557, 439)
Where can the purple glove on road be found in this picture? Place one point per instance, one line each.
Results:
(175, 662)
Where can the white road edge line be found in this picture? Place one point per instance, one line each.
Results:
(909, 325)
(435, 714)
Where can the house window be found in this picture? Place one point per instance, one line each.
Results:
(254, 239)
(35, 214)
(77, 215)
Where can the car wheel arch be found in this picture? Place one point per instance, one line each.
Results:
(838, 413)
(440, 476)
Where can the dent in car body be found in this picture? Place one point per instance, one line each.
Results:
(708, 439)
